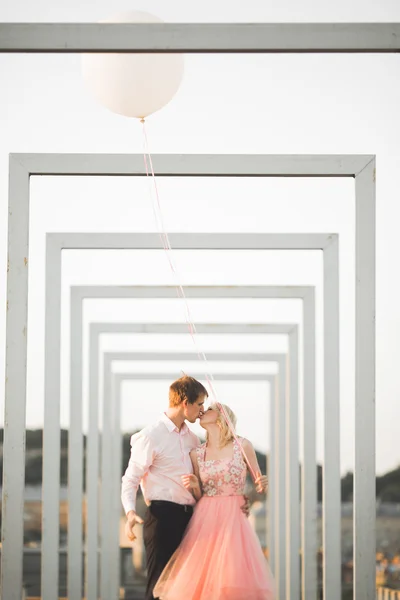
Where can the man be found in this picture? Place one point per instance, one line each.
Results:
(159, 459)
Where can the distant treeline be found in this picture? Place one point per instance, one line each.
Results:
(387, 486)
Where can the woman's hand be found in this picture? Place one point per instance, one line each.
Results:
(190, 482)
(261, 483)
(246, 506)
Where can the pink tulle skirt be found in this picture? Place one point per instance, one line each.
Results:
(220, 557)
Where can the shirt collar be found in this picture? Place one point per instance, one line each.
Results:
(172, 427)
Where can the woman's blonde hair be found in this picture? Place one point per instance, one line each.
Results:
(226, 435)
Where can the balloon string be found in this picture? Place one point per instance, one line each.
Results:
(165, 242)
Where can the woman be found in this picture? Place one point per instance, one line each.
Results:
(220, 557)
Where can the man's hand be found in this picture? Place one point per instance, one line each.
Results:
(132, 520)
(190, 482)
(261, 483)
(246, 506)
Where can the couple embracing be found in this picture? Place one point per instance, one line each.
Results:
(199, 544)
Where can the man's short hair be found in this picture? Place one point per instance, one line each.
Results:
(186, 388)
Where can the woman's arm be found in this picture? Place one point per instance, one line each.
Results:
(198, 492)
(192, 481)
(261, 481)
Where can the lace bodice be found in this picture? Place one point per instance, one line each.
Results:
(222, 477)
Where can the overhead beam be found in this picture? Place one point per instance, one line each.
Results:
(208, 38)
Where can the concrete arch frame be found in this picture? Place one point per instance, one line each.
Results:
(111, 494)
(58, 241)
(116, 380)
(292, 525)
(361, 168)
(288, 577)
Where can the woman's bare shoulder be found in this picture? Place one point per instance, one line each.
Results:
(246, 443)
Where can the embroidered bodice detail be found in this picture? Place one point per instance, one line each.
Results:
(222, 477)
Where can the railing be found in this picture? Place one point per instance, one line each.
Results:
(383, 593)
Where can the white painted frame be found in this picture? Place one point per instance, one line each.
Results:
(111, 504)
(362, 168)
(273, 382)
(288, 577)
(329, 244)
(292, 517)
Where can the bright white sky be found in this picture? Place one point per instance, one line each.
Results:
(242, 104)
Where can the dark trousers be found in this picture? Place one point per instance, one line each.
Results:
(163, 529)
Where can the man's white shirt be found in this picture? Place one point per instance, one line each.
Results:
(159, 458)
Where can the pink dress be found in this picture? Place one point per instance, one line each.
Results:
(220, 557)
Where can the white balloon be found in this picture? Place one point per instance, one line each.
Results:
(134, 85)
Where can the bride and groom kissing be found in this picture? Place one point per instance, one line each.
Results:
(198, 541)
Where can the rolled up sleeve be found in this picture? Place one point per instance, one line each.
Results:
(142, 455)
